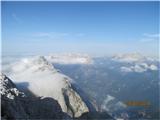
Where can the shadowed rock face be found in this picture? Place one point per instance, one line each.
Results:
(16, 105)
(12, 109)
(43, 108)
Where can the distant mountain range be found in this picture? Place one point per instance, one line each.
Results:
(69, 58)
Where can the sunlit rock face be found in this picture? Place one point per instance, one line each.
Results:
(39, 77)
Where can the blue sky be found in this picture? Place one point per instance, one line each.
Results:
(96, 28)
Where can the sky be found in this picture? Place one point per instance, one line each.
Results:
(95, 28)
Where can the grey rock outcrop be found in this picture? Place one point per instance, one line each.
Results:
(11, 106)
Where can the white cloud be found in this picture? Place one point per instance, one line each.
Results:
(57, 35)
(50, 34)
(16, 18)
(148, 40)
(151, 35)
(139, 67)
(129, 57)
(42, 34)
(80, 34)
(153, 67)
(126, 69)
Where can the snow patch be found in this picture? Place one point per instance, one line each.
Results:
(8, 89)
(106, 102)
(111, 104)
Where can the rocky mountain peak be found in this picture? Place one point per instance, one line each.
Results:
(39, 77)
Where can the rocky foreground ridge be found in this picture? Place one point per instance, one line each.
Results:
(16, 105)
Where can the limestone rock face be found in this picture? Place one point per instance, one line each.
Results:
(75, 105)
